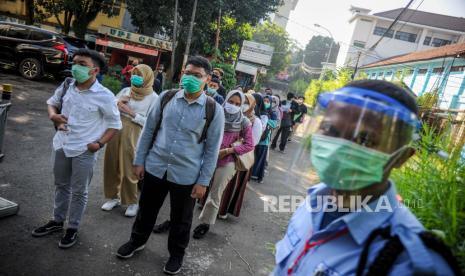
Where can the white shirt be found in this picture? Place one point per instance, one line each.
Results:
(90, 113)
(264, 120)
(257, 130)
(141, 108)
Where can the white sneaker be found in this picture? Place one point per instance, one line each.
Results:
(223, 216)
(109, 205)
(132, 209)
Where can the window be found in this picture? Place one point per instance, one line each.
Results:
(422, 71)
(408, 72)
(388, 73)
(381, 31)
(427, 40)
(373, 75)
(38, 35)
(4, 29)
(18, 32)
(438, 42)
(366, 20)
(406, 36)
(457, 68)
(359, 44)
(438, 70)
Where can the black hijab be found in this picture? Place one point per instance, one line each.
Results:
(259, 106)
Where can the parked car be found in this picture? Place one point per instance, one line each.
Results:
(33, 51)
(73, 44)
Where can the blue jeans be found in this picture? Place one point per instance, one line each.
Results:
(72, 179)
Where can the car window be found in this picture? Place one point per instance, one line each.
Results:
(38, 35)
(3, 29)
(18, 32)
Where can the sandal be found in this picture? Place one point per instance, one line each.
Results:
(201, 230)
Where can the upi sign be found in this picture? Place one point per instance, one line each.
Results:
(137, 38)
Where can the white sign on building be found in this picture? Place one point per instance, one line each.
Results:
(246, 68)
(256, 53)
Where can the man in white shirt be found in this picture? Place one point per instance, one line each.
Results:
(86, 117)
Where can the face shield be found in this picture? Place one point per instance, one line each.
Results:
(353, 136)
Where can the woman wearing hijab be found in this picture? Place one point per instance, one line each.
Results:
(237, 128)
(261, 150)
(260, 110)
(234, 192)
(120, 183)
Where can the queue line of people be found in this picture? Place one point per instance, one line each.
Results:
(188, 142)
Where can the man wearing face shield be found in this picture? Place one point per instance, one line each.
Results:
(353, 223)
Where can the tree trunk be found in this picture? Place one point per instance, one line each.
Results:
(67, 22)
(217, 38)
(175, 39)
(29, 12)
(189, 36)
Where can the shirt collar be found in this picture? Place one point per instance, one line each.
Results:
(361, 224)
(200, 100)
(96, 86)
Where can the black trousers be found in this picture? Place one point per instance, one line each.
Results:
(284, 131)
(153, 194)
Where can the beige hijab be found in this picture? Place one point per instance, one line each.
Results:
(139, 93)
(250, 112)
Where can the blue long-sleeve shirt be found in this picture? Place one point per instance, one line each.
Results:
(176, 150)
(340, 256)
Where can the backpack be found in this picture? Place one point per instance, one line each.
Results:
(210, 107)
(387, 256)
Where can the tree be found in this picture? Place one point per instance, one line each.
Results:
(50, 8)
(317, 50)
(29, 4)
(83, 12)
(275, 36)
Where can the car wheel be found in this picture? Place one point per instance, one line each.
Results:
(30, 68)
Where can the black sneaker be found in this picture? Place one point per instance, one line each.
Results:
(173, 266)
(201, 230)
(69, 239)
(50, 227)
(162, 228)
(128, 249)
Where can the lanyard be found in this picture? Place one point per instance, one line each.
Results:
(309, 245)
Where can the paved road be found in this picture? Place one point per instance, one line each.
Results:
(238, 246)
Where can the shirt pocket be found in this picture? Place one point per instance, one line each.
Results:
(286, 246)
(87, 112)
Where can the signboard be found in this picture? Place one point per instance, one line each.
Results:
(246, 68)
(256, 52)
(126, 47)
(136, 38)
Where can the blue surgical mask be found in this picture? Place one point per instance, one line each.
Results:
(211, 91)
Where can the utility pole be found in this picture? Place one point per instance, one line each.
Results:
(356, 65)
(189, 36)
(175, 35)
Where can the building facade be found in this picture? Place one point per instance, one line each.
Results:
(414, 31)
(440, 70)
(280, 18)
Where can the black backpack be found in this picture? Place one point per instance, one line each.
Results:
(387, 256)
(210, 107)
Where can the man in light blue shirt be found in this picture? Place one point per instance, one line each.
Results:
(177, 159)
(353, 223)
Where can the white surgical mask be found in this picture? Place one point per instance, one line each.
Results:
(245, 107)
(231, 109)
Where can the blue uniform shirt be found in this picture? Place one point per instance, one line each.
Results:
(340, 256)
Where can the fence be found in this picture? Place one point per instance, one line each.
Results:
(451, 120)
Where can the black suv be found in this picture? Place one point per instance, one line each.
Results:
(33, 51)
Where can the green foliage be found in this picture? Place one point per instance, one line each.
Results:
(433, 188)
(115, 71)
(229, 77)
(275, 36)
(428, 100)
(112, 83)
(333, 82)
(83, 12)
(298, 87)
(317, 49)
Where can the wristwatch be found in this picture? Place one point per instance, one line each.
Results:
(101, 145)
